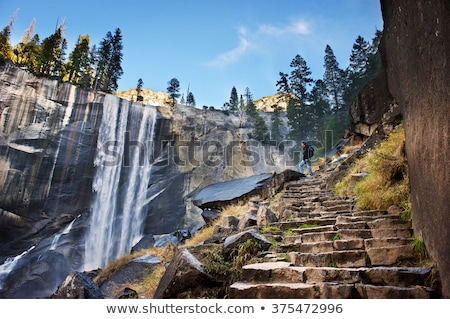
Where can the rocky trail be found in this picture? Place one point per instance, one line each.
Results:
(335, 250)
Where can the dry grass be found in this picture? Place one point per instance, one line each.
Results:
(387, 182)
(147, 287)
(207, 232)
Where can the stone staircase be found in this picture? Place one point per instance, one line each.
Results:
(328, 248)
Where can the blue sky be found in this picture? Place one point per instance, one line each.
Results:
(209, 45)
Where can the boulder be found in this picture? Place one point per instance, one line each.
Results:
(234, 241)
(265, 216)
(78, 286)
(185, 273)
(218, 195)
(247, 220)
(210, 216)
(133, 271)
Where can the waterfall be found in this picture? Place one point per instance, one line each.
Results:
(65, 231)
(124, 147)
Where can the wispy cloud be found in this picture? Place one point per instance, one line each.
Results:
(296, 27)
(233, 55)
(249, 40)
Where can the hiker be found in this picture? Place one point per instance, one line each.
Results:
(306, 159)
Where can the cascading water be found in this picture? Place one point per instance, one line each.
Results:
(9, 265)
(122, 174)
(65, 231)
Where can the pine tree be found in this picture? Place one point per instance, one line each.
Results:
(234, 100)
(78, 62)
(173, 89)
(109, 65)
(102, 58)
(276, 124)
(283, 85)
(190, 99)
(139, 97)
(52, 53)
(260, 131)
(5, 44)
(115, 70)
(334, 79)
(336, 86)
(27, 50)
(250, 107)
(298, 107)
(320, 108)
(300, 78)
(87, 80)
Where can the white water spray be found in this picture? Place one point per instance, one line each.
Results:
(9, 265)
(65, 231)
(120, 181)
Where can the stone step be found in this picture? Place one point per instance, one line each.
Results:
(389, 256)
(389, 223)
(341, 258)
(314, 247)
(319, 236)
(241, 290)
(381, 276)
(354, 225)
(246, 290)
(339, 208)
(391, 232)
(336, 202)
(325, 228)
(297, 223)
(354, 233)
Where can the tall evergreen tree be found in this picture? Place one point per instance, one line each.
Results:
(260, 131)
(173, 89)
(27, 50)
(334, 79)
(298, 108)
(52, 53)
(102, 58)
(234, 100)
(140, 84)
(320, 108)
(300, 78)
(5, 41)
(276, 124)
(78, 62)
(109, 66)
(250, 107)
(115, 70)
(190, 100)
(374, 61)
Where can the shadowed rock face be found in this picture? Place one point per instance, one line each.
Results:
(416, 37)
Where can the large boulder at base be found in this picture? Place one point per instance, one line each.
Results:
(78, 286)
(134, 271)
(218, 195)
(184, 274)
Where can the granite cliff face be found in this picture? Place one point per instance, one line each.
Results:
(413, 88)
(416, 36)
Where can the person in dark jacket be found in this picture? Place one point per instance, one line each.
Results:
(306, 160)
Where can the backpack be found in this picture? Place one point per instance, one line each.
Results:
(311, 151)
